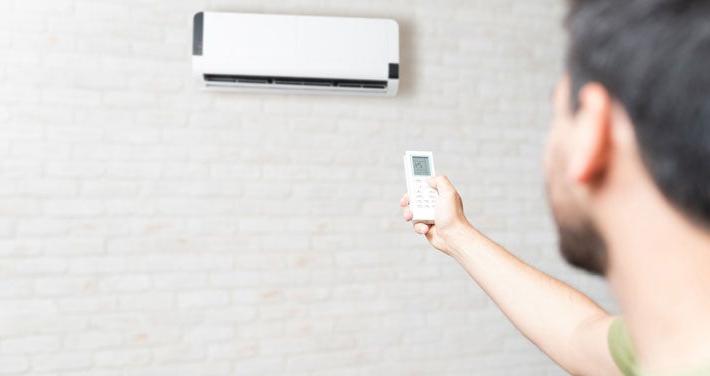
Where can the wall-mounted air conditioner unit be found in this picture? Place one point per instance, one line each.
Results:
(296, 54)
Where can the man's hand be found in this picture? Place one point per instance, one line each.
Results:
(450, 224)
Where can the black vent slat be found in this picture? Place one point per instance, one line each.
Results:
(252, 80)
(220, 79)
(318, 83)
(287, 82)
(297, 81)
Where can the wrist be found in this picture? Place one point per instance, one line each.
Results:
(461, 239)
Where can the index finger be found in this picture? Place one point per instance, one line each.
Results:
(404, 202)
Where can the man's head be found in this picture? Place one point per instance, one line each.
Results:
(644, 64)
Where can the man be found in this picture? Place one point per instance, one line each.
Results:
(628, 178)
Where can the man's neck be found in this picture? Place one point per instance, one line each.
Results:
(660, 272)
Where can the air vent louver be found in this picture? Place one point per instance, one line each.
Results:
(296, 81)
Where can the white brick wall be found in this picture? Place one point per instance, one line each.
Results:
(148, 228)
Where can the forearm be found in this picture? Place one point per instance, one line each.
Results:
(547, 311)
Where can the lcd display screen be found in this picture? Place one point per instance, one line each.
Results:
(421, 166)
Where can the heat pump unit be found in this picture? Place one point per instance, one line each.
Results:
(296, 54)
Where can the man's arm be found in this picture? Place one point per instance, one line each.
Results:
(563, 322)
(568, 326)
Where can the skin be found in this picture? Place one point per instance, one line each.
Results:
(658, 260)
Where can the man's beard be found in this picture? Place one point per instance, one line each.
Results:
(581, 243)
(583, 246)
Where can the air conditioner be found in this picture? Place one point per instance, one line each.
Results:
(296, 54)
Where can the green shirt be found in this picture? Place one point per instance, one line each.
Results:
(621, 348)
(622, 351)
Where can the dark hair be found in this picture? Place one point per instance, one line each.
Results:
(653, 56)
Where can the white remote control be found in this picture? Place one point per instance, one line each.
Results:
(418, 169)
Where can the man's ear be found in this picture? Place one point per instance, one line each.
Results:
(592, 134)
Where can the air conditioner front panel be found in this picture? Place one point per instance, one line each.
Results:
(296, 46)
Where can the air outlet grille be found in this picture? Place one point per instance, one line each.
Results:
(295, 81)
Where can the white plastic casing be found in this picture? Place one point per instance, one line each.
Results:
(422, 197)
(296, 54)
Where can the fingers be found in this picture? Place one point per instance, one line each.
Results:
(407, 214)
(443, 185)
(404, 202)
(421, 228)
(430, 234)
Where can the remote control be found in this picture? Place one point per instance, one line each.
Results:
(418, 169)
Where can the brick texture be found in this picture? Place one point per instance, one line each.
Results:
(149, 228)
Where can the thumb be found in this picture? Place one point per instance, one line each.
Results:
(443, 185)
